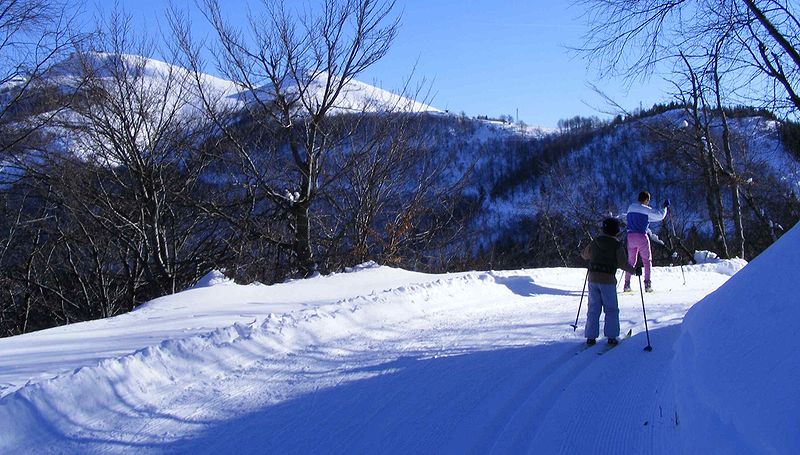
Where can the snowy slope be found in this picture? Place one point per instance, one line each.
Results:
(155, 75)
(355, 97)
(737, 367)
(375, 360)
(162, 93)
(148, 74)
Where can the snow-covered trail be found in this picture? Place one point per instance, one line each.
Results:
(467, 363)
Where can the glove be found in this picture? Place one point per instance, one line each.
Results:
(638, 270)
(666, 203)
(654, 238)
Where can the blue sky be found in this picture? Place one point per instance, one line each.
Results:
(482, 57)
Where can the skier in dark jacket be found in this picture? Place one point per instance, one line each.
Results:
(605, 255)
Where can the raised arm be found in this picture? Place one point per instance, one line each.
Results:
(655, 215)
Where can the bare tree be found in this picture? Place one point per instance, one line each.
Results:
(632, 37)
(113, 201)
(701, 150)
(138, 130)
(727, 148)
(772, 39)
(294, 74)
(397, 200)
(723, 52)
(34, 35)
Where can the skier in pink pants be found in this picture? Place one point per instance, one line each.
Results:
(639, 217)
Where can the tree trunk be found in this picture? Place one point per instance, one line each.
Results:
(728, 151)
(736, 202)
(713, 197)
(302, 239)
(718, 217)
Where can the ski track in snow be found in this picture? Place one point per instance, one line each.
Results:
(474, 363)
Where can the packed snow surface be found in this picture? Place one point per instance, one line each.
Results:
(383, 360)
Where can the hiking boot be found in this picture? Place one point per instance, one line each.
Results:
(626, 288)
(590, 341)
(613, 342)
(648, 287)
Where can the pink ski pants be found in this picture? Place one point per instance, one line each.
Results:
(639, 244)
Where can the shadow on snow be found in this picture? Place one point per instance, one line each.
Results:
(524, 286)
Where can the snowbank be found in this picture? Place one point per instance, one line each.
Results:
(735, 366)
(68, 404)
(726, 266)
(363, 266)
(707, 263)
(706, 257)
(212, 278)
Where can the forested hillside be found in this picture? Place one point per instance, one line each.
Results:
(543, 197)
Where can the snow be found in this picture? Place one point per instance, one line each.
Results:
(705, 257)
(355, 96)
(174, 90)
(358, 96)
(384, 360)
(153, 76)
(212, 278)
(736, 367)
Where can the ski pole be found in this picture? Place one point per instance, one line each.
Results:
(672, 223)
(647, 348)
(575, 326)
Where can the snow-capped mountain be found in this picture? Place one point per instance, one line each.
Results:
(152, 75)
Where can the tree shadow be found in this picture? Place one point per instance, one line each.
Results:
(524, 286)
(423, 401)
(408, 405)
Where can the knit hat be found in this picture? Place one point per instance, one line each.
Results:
(611, 226)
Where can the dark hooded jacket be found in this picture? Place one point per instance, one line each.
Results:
(605, 255)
